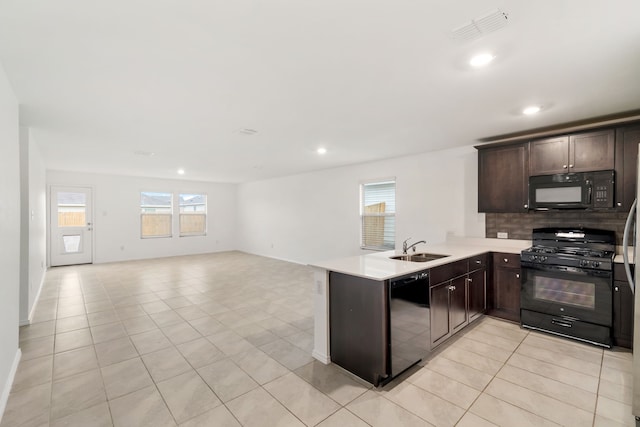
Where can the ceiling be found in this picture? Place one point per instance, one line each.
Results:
(103, 84)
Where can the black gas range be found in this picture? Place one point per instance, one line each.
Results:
(567, 280)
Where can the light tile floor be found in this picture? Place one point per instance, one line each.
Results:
(225, 340)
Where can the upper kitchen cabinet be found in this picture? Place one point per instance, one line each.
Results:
(580, 152)
(503, 175)
(627, 140)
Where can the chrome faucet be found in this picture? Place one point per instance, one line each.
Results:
(405, 248)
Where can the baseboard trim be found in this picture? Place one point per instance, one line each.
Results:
(4, 396)
(25, 322)
(37, 299)
(321, 357)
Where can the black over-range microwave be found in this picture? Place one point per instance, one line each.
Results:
(579, 190)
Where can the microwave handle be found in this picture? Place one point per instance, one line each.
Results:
(589, 194)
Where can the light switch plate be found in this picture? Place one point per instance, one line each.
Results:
(503, 235)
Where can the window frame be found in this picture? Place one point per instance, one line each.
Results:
(391, 244)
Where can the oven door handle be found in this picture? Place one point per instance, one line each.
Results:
(561, 323)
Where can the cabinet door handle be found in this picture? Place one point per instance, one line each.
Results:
(564, 166)
(619, 204)
(570, 166)
(469, 280)
(506, 260)
(518, 275)
(526, 206)
(478, 261)
(452, 288)
(616, 289)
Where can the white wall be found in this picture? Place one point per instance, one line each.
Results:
(24, 226)
(315, 216)
(116, 203)
(33, 231)
(9, 237)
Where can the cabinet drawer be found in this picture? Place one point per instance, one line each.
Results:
(477, 262)
(448, 271)
(503, 260)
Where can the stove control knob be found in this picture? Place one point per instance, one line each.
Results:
(583, 263)
(596, 263)
(543, 258)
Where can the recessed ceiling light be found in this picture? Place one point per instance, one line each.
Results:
(533, 109)
(180, 171)
(321, 150)
(481, 60)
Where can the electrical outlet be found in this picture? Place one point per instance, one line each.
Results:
(503, 235)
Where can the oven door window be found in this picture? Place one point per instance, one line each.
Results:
(566, 292)
(584, 295)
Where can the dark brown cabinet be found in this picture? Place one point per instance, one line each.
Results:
(448, 309)
(358, 312)
(458, 304)
(627, 140)
(457, 296)
(549, 156)
(581, 152)
(440, 323)
(503, 175)
(623, 304)
(505, 287)
(448, 297)
(477, 287)
(477, 294)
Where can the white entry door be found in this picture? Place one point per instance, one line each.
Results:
(71, 226)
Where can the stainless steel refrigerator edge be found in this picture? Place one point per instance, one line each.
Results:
(636, 314)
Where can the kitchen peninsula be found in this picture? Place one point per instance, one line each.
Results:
(453, 289)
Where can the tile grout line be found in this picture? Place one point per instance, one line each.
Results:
(595, 409)
(493, 377)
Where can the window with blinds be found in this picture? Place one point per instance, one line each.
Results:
(378, 214)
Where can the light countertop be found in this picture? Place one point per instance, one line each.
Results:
(619, 259)
(379, 266)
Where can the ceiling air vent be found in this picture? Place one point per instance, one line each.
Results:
(247, 131)
(480, 26)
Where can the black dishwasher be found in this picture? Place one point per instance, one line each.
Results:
(409, 321)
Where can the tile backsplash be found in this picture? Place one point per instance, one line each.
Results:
(520, 225)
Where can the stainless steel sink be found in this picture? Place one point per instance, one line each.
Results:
(419, 257)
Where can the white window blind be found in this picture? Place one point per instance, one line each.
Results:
(378, 215)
